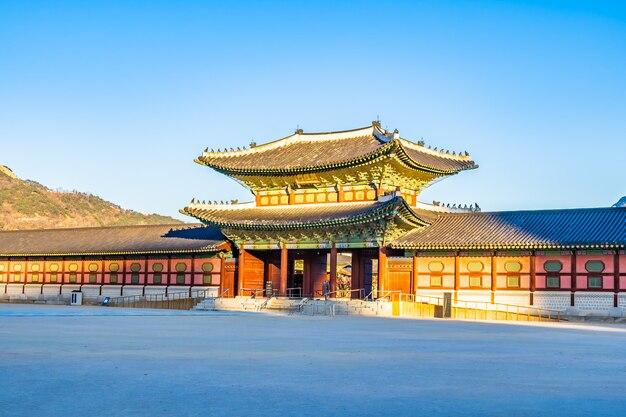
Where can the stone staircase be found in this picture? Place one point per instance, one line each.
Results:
(303, 306)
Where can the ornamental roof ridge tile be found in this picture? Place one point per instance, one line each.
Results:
(421, 148)
(173, 226)
(298, 136)
(252, 204)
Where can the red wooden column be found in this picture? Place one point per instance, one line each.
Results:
(382, 268)
(223, 275)
(616, 279)
(415, 274)
(307, 277)
(333, 270)
(283, 270)
(341, 196)
(533, 277)
(457, 276)
(292, 195)
(357, 273)
(241, 270)
(494, 278)
(574, 278)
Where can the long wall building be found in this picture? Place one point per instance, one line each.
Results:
(336, 213)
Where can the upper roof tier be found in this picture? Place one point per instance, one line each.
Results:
(316, 152)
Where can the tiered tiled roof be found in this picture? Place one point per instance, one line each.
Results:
(313, 152)
(248, 216)
(122, 240)
(602, 228)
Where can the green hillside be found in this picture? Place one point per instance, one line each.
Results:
(26, 204)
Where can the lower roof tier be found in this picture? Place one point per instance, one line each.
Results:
(602, 228)
(115, 240)
(599, 228)
(249, 216)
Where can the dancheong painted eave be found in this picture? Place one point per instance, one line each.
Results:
(593, 228)
(114, 240)
(316, 152)
(305, 216)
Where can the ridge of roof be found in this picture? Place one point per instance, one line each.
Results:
(298, 136)
(173, 226)
(535, 211)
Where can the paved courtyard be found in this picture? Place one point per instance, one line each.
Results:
(90, 361)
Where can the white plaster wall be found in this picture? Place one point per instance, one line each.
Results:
(90, 290)
(517, 298)
(128, 290)
(552, 300)
(68, 288)
(476, 296)
(155, 289)
(210, 291)
(52, 289)
(111, 290)
(621, 301)
(32, 290)
(3, 289)
(15, 289)
(175, 289)
(593, 301)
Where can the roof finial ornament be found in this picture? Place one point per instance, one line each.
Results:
(252, 144)
(206, 149)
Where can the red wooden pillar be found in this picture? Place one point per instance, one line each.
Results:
(283, 270)
(494, 278)
(341, 196)
(574, 278)
(333, 270)
(357, 274)
(457, 277)
(382, 269)
(533, 278)
(415, 276)
(241, 270)
(616, 279)
(292, 195)
(307, 281)
(223, 275)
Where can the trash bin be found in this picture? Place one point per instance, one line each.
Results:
(76, 298)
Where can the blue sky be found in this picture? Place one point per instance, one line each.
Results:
(117, 98)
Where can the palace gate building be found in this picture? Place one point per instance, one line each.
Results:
(336, 214)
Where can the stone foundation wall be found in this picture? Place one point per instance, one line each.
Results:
(593, 301)
(552, 300)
